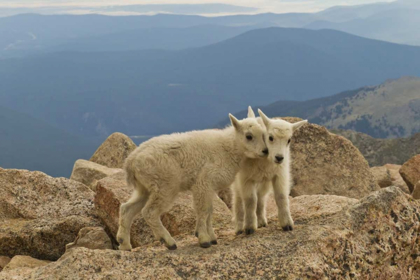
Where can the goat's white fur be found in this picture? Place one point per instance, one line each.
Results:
(199, 161)
(253, 182)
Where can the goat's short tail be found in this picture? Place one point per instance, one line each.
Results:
(132, 180)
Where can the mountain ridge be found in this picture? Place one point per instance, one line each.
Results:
(388, 110)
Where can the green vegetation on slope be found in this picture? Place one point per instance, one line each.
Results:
(389, 110)
(382, 151)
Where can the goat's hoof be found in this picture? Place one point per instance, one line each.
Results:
(214, 242)
(239, 232)
(196, 234)
(287, 228)
(262, 225)
(205, 245)
(124, 247)
(249, 231)
(173, 247)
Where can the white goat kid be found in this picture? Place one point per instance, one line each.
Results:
(254, 181)
(199, 161)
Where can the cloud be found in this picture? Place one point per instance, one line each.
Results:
(274, 6)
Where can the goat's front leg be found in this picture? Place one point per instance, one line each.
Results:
(238, 210)
(281, 187)
(263, 190)
(250, 199)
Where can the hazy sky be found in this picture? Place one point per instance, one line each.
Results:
(277, 6)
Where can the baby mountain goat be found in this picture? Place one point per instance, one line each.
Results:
(199, 161)
(252, 184)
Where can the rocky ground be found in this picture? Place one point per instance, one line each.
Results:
(351, 221)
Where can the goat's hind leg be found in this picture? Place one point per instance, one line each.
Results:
(155, 206)
(128, 211)
(210, 230)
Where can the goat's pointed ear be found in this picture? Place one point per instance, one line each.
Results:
(298, 124)
(265, 119)
(250, 112)
(235, 122)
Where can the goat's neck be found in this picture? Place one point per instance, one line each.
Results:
(233, 148)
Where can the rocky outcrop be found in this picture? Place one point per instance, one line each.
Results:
(313, 207)
(410, 172)
(91, 238)
(374, 238)
(88, 172)
(382, 176)
(22, 262)
(416, 192)
(3, 262)
(40, 214)
(113, 152)
(325, 163)
(112, 191)
(397, 180)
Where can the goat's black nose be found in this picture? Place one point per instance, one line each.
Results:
(265, 151)
(279, 159)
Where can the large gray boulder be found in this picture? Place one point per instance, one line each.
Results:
(89, 173)
(113, 152)
(410, 172)
(325, 163)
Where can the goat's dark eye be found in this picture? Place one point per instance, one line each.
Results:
(288, 142)
(271, 138)
(249, 137)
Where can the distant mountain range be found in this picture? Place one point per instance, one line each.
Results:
(67, 82)
(33, 34)
(152, 92)
(28, 143)
(389, 110)
(161, 38)
(393, 23)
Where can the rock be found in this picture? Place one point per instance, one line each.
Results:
(3, 262)
(374, 238)
(382, 176)
(410, 172)
(397, 180)
(311, 207)
(416, 192)
(88, 172)
(112, 191)
(113, 152)
(24, 262)
(40, 214)
(91, 238)
(325, 163)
